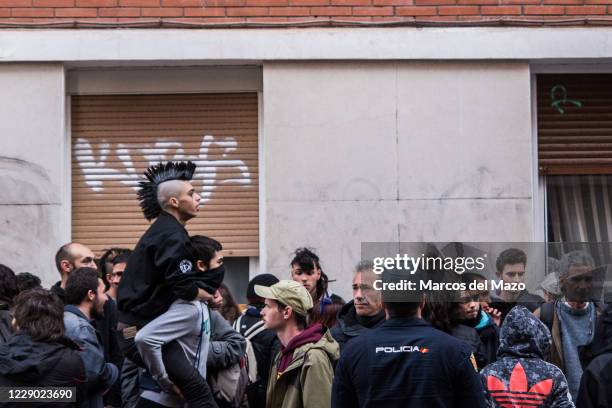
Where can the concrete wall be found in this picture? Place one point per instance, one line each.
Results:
(393, 151)
(33, 167)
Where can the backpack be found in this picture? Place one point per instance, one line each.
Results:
(229, 384)
(547, 314)
(250, 359)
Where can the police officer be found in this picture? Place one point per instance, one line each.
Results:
(406, 362)
(161, 268)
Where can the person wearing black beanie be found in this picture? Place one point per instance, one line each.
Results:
(264, 341)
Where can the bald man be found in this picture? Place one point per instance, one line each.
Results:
(69, 257)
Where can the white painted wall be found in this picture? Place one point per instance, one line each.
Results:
(240, 46)
(386, 151)
(33, 168)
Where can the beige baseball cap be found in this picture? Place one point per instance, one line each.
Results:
(288, 292)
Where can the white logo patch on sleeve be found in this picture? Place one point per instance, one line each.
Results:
(185, 266)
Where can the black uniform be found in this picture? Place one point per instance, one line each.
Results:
(159, 271)
(405, 362)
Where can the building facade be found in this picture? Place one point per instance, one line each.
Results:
(320, 123)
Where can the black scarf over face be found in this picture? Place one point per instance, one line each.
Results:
(211, 279)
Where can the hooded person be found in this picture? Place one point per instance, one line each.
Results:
(161, 268)
(595, 390)
(521, 376)
(264, 341)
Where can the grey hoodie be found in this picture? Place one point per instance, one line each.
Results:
(187, 322)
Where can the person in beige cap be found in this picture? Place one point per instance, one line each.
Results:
(302, 372)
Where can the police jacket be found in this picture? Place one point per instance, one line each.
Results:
(406, 362)
(158, 272)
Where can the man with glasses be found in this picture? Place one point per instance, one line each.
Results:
(362, 313)
(114, 262)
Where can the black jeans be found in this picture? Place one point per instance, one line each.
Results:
(187, 378)
(145, 403)
(181, 371)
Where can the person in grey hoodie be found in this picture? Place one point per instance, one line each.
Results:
(85, 300)
(189, 324)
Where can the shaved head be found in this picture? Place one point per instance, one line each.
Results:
(167, 190)
(179, 198)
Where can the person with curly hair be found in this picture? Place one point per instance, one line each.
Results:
(306, 269)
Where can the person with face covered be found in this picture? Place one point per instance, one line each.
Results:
(362, 313)
(521, 376)
(162, 267)
(571, 319)
(306, 270)
(85, 299)
(186, 322)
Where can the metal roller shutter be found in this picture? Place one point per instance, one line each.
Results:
(116, 137)
(574, 124)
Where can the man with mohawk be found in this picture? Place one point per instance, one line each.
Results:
(161, 270)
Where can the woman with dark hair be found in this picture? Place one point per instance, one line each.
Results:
(306, 269)
(8, 290)
(447, 310)
(229, 309)
(38, 354)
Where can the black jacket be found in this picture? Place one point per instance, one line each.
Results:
(6, 326)
(265, 346)
(107, 327)
(349, 325)
(406, 363)
(489, 336)
(470, 336)
(26, 363)
(595, 390)
(158, 272)
(529, 300)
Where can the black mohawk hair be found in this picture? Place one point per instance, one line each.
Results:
(147, 193)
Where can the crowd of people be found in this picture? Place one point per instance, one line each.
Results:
(154, 326)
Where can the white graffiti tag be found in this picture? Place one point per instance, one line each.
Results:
(99, 166)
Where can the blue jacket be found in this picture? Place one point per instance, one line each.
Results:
(100, 374)
(406, 362)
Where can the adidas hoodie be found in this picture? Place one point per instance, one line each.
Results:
(520, 377)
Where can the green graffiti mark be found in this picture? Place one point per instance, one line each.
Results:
(558, 103)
